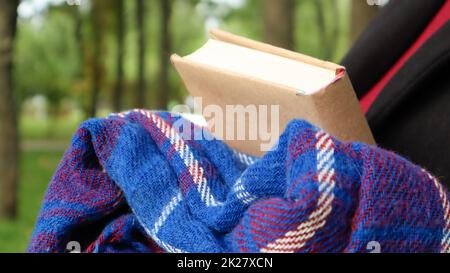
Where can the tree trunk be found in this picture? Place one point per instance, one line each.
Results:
(279, 22)
(164, 88)
(362, 15)
(80, 41)
(9, 143)
(140, 15)
(118, 90)
(97, 73)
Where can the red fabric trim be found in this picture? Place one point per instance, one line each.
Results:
(438, 21)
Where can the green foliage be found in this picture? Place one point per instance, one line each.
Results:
(52, 60)
(246, 21)
(311, 40)
(46, 57)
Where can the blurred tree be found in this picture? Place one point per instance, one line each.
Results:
(187, 35)
(97, 73)
(245, 20)
(9, 149)
(165, 47)
(141, 30)
(81, 82)
(97, 59)
(45, 45)
(279, 23)
(79, 38)
(118, 89)
(362, 14)
(328, 33)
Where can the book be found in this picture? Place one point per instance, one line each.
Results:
(240, 75)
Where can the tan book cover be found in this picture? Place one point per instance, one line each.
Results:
(334, 107)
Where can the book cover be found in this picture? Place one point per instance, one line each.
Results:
(334, 108)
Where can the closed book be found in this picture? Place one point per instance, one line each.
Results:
(240, 75)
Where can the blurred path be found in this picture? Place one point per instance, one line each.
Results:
(44, 145)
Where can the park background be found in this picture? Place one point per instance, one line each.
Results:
(63, 61)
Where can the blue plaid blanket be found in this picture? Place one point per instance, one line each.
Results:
(133, 183)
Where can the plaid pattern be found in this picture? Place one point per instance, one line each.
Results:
(134, 183)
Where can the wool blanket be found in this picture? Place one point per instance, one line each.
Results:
(133, 182)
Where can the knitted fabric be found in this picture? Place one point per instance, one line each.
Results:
(134, 183)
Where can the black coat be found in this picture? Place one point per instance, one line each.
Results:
(411, 116)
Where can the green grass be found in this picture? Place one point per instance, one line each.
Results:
(49, 129)
(37, 167)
